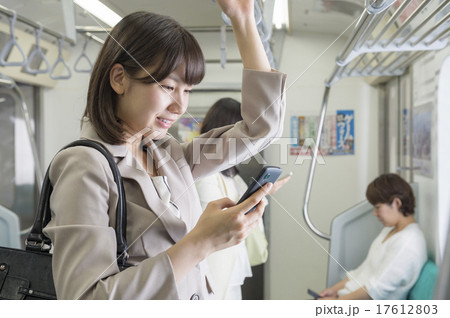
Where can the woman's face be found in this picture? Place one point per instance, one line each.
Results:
(152, 108)
(387, 214)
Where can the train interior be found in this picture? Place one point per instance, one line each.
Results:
(367, 85)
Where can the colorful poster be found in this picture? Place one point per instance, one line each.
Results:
(188, 128)
(345, 132)
(421, 135)
(405, 133)
(338, 134)
(328, 140)
(294, 130)
(301, 130)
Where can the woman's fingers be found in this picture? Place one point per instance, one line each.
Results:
(278, 184)
(221, 204)
(255, 199)
(224, 223)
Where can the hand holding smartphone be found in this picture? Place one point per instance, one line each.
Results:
(267, 174)
(313, 294)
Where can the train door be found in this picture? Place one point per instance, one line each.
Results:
(396, 128)
(18, 185)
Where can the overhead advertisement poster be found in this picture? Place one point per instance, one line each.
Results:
(338, 134)
(422, 154)
(345, 132)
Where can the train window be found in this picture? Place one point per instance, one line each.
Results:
(18, 183)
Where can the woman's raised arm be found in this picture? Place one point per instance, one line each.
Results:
(241, 14)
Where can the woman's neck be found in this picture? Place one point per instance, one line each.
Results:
(401, 224)
(404, 222)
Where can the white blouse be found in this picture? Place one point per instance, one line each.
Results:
(392, 267)
(228, 267)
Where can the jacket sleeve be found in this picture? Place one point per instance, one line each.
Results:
(84, 243)
(263, 108)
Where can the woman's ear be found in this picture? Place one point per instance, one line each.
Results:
(397, 203)
(118, 78)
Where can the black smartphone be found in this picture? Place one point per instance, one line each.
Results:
(313, 293)
(266, 175)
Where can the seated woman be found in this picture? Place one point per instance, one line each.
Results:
(396, 256)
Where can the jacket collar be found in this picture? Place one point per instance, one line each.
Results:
(130, 168)
(88, 132)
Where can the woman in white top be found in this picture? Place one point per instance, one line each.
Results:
(228, 267)
(396, 256)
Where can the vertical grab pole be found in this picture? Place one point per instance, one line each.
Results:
(313, 166)
(366, 23)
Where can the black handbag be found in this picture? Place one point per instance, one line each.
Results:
(27, 274)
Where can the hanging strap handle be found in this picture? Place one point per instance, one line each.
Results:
(60, 60)
(223, 46)
(264, 32)
(83, 55)
(37, 241)
(37, 52)
(10, 44)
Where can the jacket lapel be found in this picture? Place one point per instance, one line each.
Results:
(130, 168)
(181, 191)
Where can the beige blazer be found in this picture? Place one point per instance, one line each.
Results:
(84, 199)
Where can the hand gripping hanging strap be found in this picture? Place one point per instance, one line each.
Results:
(37, 241)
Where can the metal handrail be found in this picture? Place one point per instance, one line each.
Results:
(391, 21)
(407, 22)
(379, 47)
(313, 166)
(35, 25)
(434, 13)
(366, 23)
(396, 60)
(434, 28)
(357, 46)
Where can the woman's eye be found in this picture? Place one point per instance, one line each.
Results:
(168, 88)
(188, 91)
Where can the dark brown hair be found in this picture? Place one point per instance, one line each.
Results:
(226, 111)
(140, 40)
(387, 187)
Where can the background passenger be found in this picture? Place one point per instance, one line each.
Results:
(397, 254)
(228, 267)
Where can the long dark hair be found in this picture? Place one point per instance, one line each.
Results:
(226, 111)
(140, 40)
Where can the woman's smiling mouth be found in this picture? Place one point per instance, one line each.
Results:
(165, 123)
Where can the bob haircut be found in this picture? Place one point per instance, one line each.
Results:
(387, 187)
(139, 41)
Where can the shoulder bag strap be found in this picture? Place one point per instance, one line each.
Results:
(37, 241)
